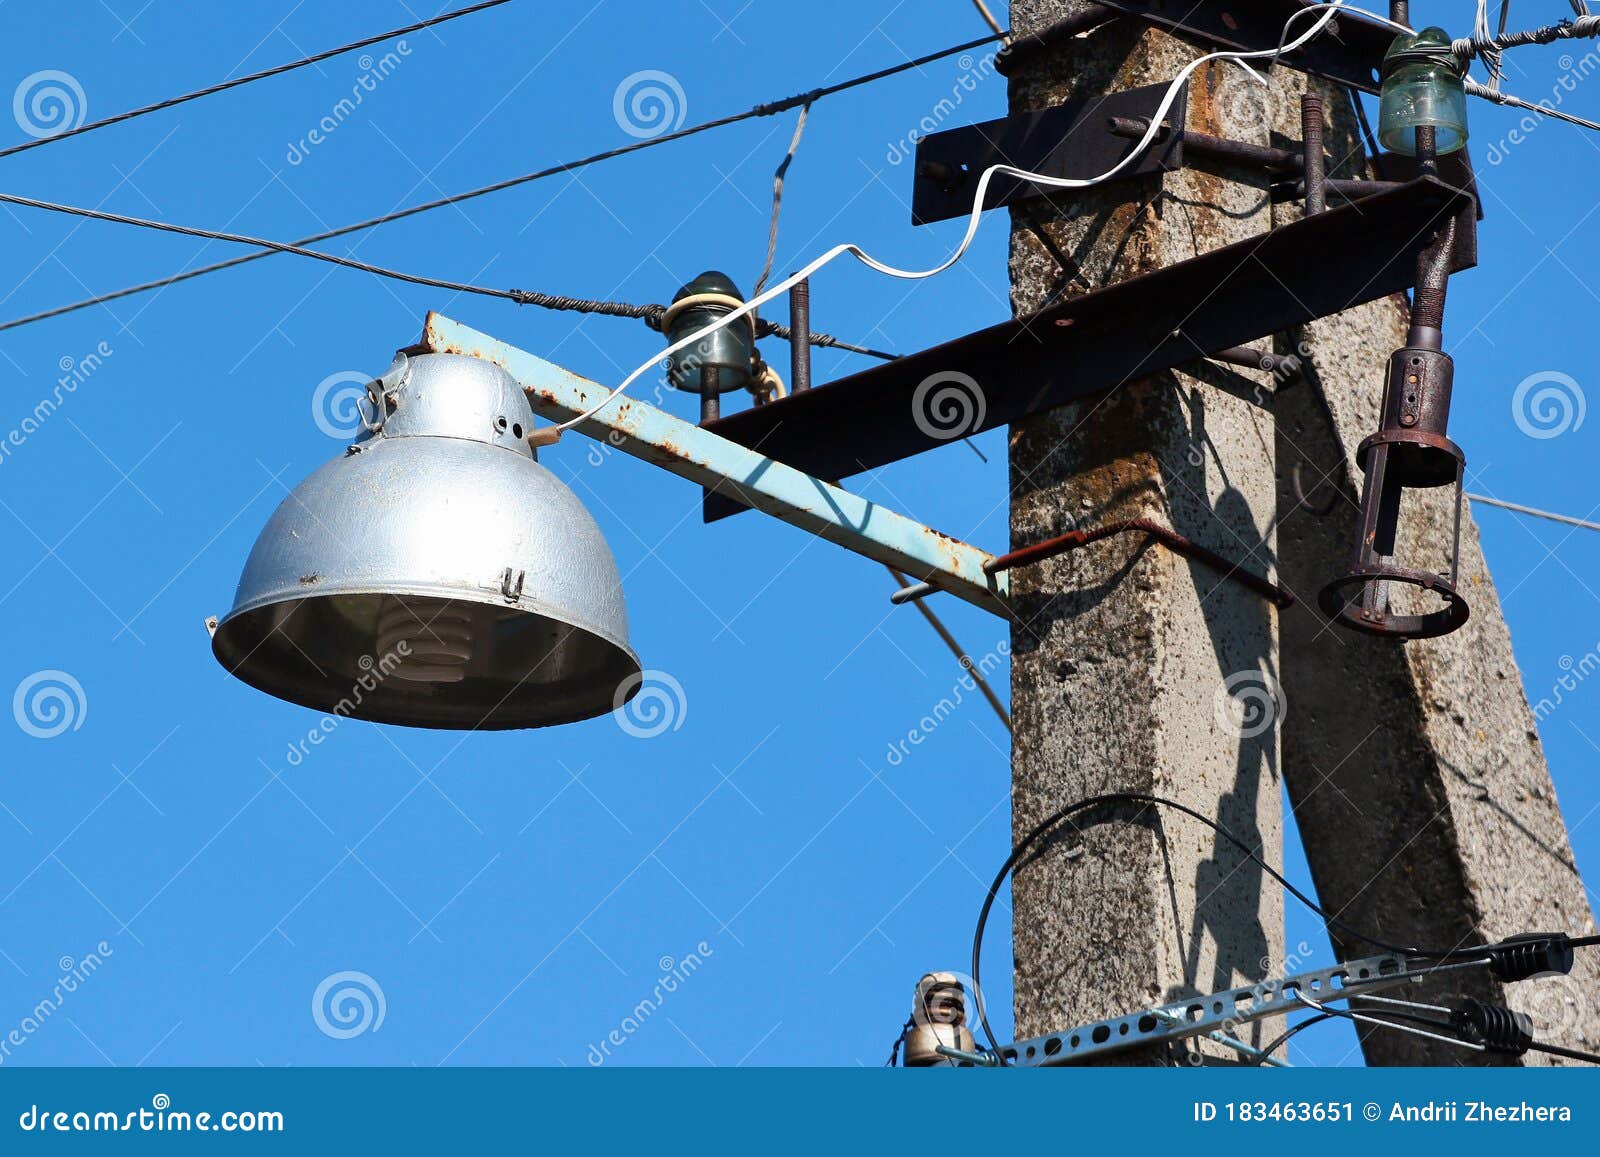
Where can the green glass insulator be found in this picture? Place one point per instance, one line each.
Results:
(1423, 87)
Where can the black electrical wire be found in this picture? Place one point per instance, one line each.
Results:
(1289, 1034)
(1046, 825)
(1055, 818)
(1570, 1054)
(1409, 1018)
(1374, 150)
(894, 1052)
(766, 328)
(770, 108)
(1294, 1030)
(277, 70)
(277, 247)
(648, 313)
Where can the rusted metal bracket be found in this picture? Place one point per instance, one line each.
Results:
(1266, 285)
(1349, 51)
(1077, 539)
(1072, 140)
(1288, 165)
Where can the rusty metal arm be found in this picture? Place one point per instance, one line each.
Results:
(1171, 539)
(637, 428)
(1077, 539)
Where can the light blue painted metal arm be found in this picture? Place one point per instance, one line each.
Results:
(635, 427)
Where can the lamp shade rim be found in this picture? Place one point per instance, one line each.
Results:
(447, 592)
(237, 644)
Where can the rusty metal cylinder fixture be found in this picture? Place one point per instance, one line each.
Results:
(1412, 450)
(800, 329)
(1316, 173)
(938, 1018)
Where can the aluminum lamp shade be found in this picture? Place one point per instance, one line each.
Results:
(435, 575)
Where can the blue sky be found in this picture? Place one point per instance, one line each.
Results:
(515, 896)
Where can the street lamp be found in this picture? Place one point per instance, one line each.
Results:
(435, 575)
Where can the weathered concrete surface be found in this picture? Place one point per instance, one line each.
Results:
(1423, 797)
(1129, 659)
(1415, 770)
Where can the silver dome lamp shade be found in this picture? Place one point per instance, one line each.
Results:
(436, 575)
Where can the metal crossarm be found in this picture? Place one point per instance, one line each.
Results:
(637, 428)
(1205, 1015)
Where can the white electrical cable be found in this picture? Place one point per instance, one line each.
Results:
(1332, 7)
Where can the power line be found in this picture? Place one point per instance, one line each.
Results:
(765, 328)
(956, 649)
(1289, 1034)
(975, 219)
(1534, 512)
(777, 196)
(770, 108)
(649, 313)
(254, 76)
(275, 247)
(1582, 27)
(1473, 88)
(988, 17)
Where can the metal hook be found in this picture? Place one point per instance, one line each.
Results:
(1297, 478)
(381, 387)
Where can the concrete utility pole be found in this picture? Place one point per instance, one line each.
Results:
(1131, 664)
(1424, 801)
